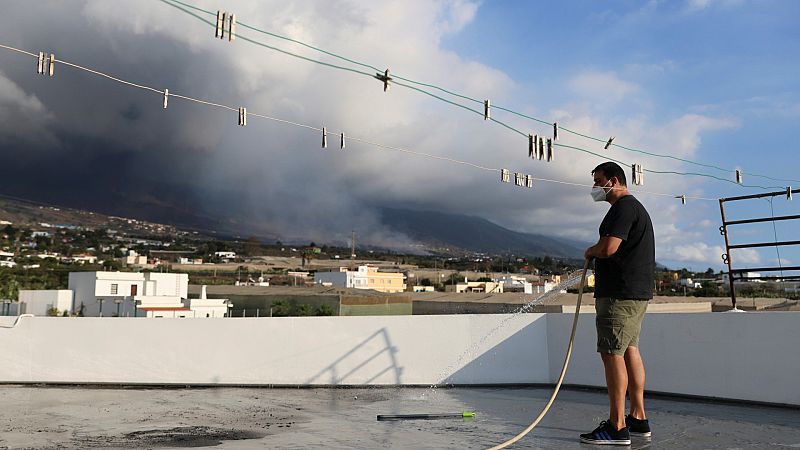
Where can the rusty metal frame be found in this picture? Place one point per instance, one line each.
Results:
(726, 257)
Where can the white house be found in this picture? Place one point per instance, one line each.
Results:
(208, 307)
(135, 259)
(153, 295)
(119, 293)
(39, 302)
(365, 277)
(225, 255)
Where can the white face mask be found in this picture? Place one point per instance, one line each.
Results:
(599, 193)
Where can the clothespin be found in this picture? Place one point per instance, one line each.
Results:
(529, 181)
(220, 21)
(788, 192)
(324, 137)
(608, 143)
(232, 28)
(738, 176)
(550, 150)
(530, 146)
(341, 143)
(51, 64)
(385, 78)
(682, 197)
(487, 112)
(40, 64)
(517, 178)
(242, 117)
(166, 97)
(638, 178)
(540, 156)
(504, 175)
(555, 131)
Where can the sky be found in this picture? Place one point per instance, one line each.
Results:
(711, 81)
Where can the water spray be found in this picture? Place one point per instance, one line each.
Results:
(563, 369)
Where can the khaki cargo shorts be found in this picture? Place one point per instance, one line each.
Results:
(619, 322)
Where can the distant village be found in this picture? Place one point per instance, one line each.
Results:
(142, 269)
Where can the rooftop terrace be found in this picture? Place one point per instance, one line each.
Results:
(245, 418)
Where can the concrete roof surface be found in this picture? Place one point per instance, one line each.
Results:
(243, 418)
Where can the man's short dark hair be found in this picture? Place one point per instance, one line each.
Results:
(611, 169)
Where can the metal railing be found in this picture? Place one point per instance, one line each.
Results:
(735, 274)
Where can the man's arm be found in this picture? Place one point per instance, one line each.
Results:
(605, 247)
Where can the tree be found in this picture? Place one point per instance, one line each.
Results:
(280, 308)
(324, 310)
(425, 282)
(305, 310)
(52, 312)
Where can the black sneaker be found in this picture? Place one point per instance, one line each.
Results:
(605, 434)
(637, 427)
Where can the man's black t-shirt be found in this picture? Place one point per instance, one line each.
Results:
(628, 273)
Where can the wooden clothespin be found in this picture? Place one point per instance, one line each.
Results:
(242, 116)
(517, 178)
(166, 97)
(530, 146)
(324, 137)
(540, 156)
(40, 64)
(232, 28)
(529, 181)
(385, 78)
(550, 150)
(682, 197)
(220, 21)
(51, 64)
(341, 142)
(738, 176)
(608, 143)
(505, 176)
(638, 174)
(487, 109)
(788, 192)
(555, 131)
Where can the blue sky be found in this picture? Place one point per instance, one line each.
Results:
(731, 60)
(711, 81)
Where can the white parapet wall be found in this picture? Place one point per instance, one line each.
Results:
(751, 356)
(385, 350)
(745, 356)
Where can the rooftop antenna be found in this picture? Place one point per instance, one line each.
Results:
(353, 246)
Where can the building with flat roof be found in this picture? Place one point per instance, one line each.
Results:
(365, 277)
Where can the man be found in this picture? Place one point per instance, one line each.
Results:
(624, 270)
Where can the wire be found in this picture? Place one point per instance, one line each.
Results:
(775, 235)
(447, 91)
(310, 127)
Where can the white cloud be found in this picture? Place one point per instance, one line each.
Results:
(23, 116)
(702, 254)
(699, 5)
(604, 86)
(282, 177)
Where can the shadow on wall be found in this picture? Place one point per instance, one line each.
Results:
(366, 362)
(520, 358)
